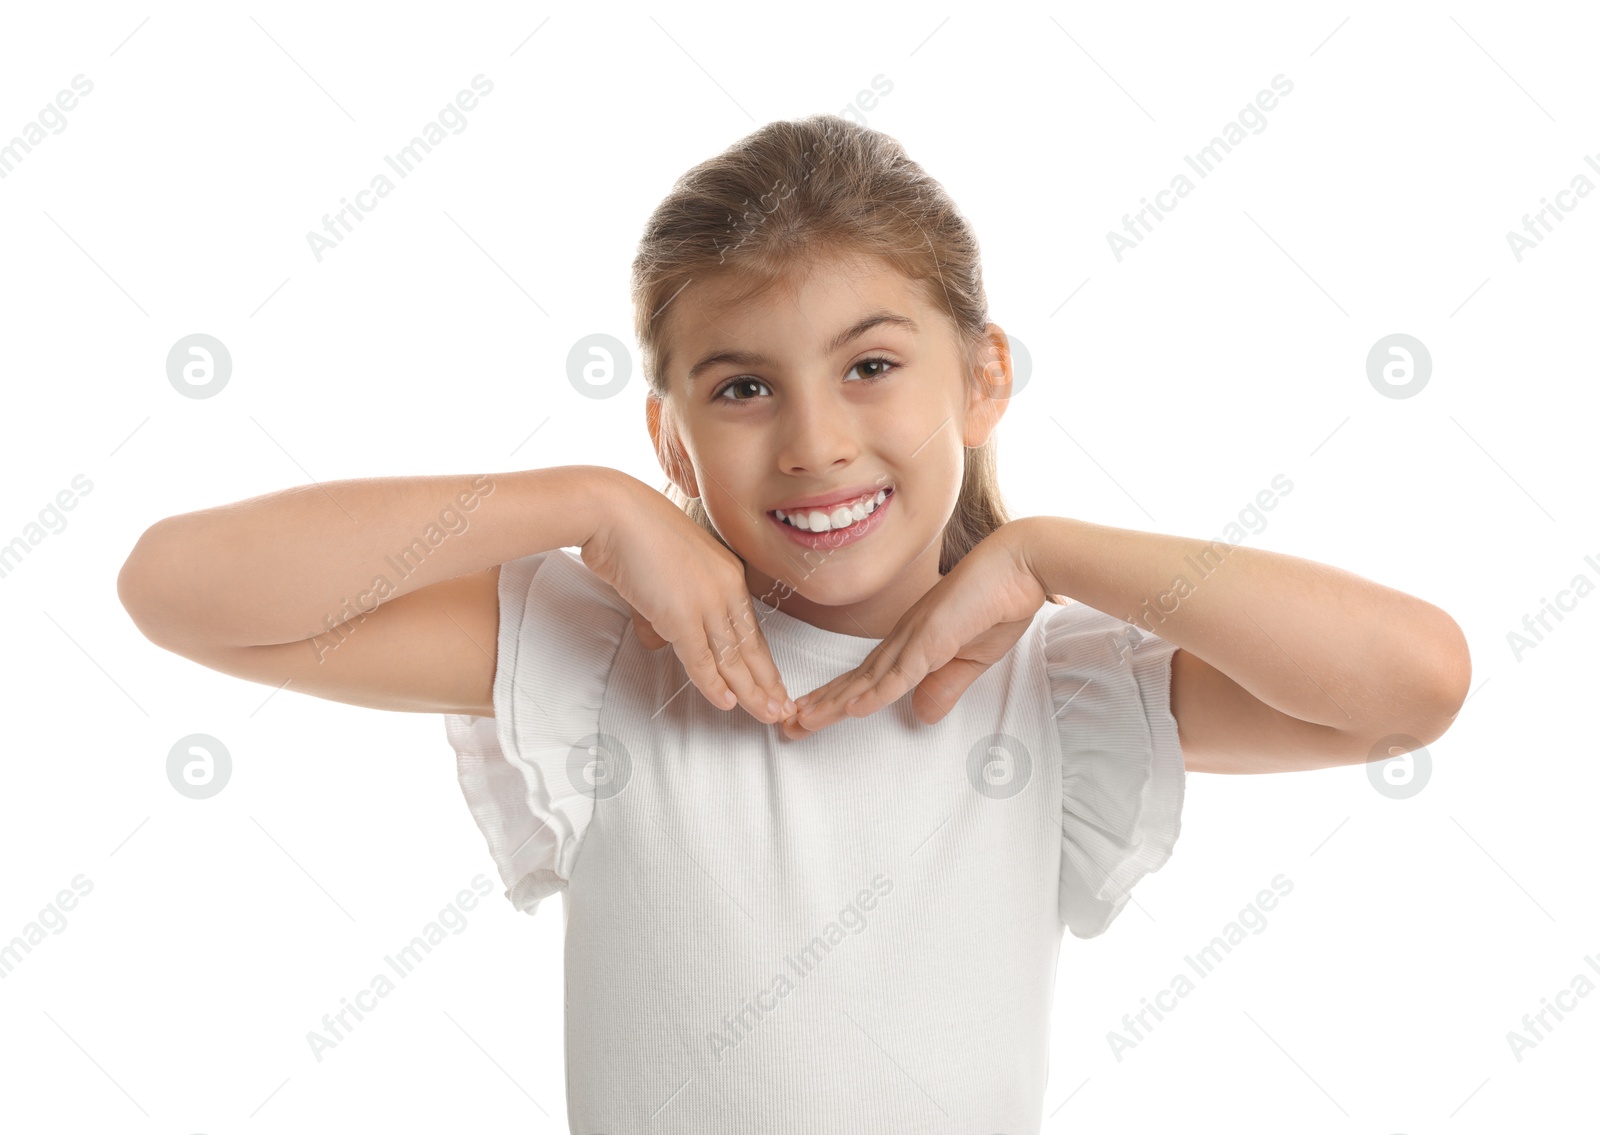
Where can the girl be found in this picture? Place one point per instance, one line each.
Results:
(841, 912)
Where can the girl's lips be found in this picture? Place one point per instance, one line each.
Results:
(827, 503)
(836, 537)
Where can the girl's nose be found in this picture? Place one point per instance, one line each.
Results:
(818, 436)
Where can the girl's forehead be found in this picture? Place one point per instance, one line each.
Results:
(736, 303)
(853, 281)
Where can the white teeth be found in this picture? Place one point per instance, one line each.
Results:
(815, 520)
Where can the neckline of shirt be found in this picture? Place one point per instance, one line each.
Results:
(833, 646)
(836, 646)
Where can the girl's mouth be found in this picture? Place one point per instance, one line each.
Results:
(837, 537)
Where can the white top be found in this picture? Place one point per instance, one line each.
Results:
(854, 932)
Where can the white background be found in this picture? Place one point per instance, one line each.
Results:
(1229, 347)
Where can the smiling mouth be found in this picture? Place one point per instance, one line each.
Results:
(832, 519)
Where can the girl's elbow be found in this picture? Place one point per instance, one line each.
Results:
(1452, 682)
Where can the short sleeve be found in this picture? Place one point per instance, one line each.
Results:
(522, 771)
(1122, 774)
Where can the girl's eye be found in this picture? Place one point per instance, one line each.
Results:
(885, 365)
(736, 383)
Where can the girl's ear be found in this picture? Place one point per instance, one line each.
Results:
(669, 451)
(990, 392)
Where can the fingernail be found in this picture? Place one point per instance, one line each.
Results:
(804, 699)
(772, 707)
(788, 706)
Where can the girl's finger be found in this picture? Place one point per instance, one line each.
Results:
(901, 666)
(849, 684)
(941, 689)
(757, 657)
(644, 629)
(700, 663)
(816, 695)
(794, 731)
(810, 706)
(727, 642)
(833, 704)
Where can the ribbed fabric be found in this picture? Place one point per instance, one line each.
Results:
(857, 932)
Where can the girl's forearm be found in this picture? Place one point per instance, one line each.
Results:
(1316, 642)
(293, 564)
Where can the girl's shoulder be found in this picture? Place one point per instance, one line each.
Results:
(525, 772)
(559, 573)
(1122, 769)
(1079, 635)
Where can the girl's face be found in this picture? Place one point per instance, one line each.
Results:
(816, 396)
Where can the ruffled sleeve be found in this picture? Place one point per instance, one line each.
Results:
(523, 771)
(1122, 774)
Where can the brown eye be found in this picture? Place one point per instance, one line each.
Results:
(886, 364)
(735, 383)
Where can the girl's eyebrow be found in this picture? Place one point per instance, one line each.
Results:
(755, 358)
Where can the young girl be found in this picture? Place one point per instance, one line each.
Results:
(841, 912)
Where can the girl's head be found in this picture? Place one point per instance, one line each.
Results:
(747, 278)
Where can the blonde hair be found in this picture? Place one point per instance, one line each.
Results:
(776, 201)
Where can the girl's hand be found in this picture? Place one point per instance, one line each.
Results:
(686, 589)
(962, 626)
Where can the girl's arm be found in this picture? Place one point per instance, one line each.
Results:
(378, 592)
(1284, 663)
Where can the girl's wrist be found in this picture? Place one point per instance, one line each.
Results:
(607, 497)
(1027, 539)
